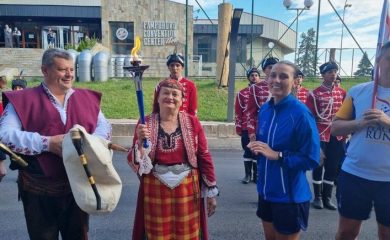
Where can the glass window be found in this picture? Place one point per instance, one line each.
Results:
(205, 47)
(122, 37)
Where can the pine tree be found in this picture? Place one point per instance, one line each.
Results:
(306, 53)
(364, 67)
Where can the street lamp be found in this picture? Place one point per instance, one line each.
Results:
(287, 4)
(317, 34)
(346, 5)
(235, 24)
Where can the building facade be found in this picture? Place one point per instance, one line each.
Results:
(161, 24)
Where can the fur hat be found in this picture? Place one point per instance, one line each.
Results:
(176, 57)
(268, 61)
(328, 66)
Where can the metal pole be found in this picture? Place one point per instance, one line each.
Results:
(342, 30)
(251, 58)
(296, 40)
(318, 29)
(232, 65)
(353, 55)
(186, 47)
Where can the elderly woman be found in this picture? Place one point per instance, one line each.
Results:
(287, 145)
(176, 171)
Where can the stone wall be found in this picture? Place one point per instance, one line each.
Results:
(27, 59)
(220, 135)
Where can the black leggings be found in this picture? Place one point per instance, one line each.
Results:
(334, 151)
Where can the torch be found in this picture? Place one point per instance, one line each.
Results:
(137, 69)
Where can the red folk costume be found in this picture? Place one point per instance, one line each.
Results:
(158, 206)
(258, 95)
(190, 100)
(324, 102)
(241, 108)
(302, 94)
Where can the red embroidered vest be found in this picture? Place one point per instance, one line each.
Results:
(38, 114)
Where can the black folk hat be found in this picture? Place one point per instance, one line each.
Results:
(19, 83)
(176, 57)
(328, 66)
(252, 70)
(269, 61)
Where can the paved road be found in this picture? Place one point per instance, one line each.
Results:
(235, 217)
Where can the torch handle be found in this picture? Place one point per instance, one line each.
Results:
(140, 100)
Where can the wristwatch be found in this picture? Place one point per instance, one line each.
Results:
(280, 155)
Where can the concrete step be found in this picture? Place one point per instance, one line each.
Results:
(220, 135)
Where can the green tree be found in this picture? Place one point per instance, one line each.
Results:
(364, 67)
(87, 43)
(306, 53)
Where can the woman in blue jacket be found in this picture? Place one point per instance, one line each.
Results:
(287, 145)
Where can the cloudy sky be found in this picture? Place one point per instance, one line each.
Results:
(362, 18)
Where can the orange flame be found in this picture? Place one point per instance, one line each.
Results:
(136, 48)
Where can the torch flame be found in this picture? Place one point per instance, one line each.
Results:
(136, 48)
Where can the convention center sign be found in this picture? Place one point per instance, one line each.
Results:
(158, 33)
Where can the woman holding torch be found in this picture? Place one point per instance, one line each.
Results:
(176, 172)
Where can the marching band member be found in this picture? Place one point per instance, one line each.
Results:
(33, 125)
(176, 171)
(324, 102)
(175, 65)
(299, 91)
(241, 107)
(258, 95)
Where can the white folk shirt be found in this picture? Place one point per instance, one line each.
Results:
(32, 143)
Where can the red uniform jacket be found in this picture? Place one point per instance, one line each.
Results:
(241, 108)
(302, 94)
(258, 95)
(324, 102)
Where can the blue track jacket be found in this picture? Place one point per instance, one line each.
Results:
(288, 127)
